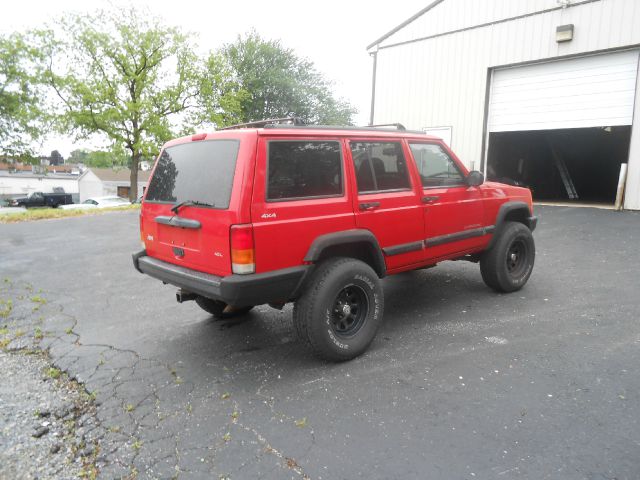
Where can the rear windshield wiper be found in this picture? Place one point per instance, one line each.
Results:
(175, 208)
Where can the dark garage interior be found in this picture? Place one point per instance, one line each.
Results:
(569, 165)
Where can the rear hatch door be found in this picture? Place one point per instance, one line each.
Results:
(200, 176)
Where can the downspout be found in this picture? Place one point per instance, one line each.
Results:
(373, 85)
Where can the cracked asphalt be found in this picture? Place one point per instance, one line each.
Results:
(461, 382)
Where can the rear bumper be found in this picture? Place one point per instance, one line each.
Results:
(279, 286)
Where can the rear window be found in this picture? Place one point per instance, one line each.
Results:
(303, 169)
(197, 171)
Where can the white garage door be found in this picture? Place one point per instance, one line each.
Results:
(595, 91)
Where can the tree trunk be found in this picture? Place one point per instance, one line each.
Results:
(133, 191)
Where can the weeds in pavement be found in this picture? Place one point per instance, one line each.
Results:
(5, 307)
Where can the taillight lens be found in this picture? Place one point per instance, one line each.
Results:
(242, 249)
(144, 245)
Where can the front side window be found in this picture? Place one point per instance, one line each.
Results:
(380, 166)
(436, 167)
(303, 169)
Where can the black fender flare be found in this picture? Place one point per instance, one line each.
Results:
(509, 207)
(348, 237)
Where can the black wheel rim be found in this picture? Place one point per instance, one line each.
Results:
(349, 311)
(517, 258)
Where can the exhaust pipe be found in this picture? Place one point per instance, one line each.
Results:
(184, 296)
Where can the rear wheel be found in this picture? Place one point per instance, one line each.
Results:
(220, 310)
(341, 309)
(507, 266)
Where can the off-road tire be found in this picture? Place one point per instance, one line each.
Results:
(341, 309)
(508, 264)
(216, 308)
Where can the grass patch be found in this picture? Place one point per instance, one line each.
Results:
(48, 213)
(38, 299)
(54, 373)
(5, 308)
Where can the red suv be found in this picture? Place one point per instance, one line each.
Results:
(270, 213)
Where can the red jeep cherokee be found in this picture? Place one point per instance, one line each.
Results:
(274, 213)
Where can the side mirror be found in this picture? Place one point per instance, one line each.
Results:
(475, 178)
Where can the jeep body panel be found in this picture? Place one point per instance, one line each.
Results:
(204, 245)
(393, 216)
(392, 230)
(284, 229)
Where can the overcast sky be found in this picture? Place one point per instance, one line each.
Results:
(333, 34)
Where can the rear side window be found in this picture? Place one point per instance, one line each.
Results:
(303, 169)
(197, 171)
(380, 166)
(436, 168)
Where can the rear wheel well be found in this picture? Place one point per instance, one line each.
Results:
(362, 251)
(520, 215)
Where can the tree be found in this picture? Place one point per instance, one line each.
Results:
(56, 158)
(99, 158)
(123, 75)
(271, 81)
(20, 115)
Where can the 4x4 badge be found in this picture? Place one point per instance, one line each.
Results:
(268, 215)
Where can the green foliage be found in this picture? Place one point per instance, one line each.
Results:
(20, 98)
(122, 74)
(271, 81)
(99, 158)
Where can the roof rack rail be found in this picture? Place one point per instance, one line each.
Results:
(399, 126)
(270, 121)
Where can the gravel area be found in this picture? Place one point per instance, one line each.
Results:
(40, 417)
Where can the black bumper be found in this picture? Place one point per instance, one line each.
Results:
(532, 222)
(279, 286)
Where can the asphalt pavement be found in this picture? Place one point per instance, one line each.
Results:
(461, 382)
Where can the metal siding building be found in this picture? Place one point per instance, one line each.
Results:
(490, 66)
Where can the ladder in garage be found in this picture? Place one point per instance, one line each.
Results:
(564, 173)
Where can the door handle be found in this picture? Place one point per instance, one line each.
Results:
(369, 206)
(431, 199)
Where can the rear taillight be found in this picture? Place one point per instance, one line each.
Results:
(144, 245)
(242, 249)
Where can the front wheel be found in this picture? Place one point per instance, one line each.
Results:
(341, 309)
(508, 264)
(220, 310)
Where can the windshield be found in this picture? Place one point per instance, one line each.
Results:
(196, 172)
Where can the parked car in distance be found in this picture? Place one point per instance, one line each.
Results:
(40, 199)
(267, 213)
(98, 202)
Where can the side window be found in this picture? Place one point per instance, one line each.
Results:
(302, 169)
(436, 168)
(380, 166)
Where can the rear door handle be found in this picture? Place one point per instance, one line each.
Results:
(369, 206)
(431, 199)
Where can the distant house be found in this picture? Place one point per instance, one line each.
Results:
(101, 182)
(17, 180)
